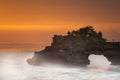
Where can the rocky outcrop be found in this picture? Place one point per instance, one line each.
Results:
(75, 47)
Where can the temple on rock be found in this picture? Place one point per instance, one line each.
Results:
(76, 46)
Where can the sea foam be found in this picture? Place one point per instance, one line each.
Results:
(98, 61)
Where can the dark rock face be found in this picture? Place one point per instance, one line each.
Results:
(75, 47)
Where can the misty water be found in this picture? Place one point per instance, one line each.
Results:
(13, 66)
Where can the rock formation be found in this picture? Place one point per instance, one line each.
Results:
(75, 47)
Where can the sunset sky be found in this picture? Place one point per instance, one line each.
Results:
(36, 21)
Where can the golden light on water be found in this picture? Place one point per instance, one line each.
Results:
(29, 25)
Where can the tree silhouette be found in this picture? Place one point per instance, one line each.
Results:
(100, 34)
(91, 40)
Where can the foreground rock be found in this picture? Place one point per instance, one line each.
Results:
(75, 47)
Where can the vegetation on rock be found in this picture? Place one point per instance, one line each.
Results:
(74, 47)
(80, 41)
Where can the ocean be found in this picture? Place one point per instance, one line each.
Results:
(13, 66)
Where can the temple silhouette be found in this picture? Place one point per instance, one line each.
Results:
(75, 47)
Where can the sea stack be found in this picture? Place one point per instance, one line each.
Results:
(75, 47)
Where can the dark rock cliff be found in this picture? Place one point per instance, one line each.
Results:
(75, 47)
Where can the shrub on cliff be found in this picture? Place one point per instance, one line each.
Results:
(82, 40)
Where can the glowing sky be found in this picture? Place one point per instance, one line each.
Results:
(37, 20)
